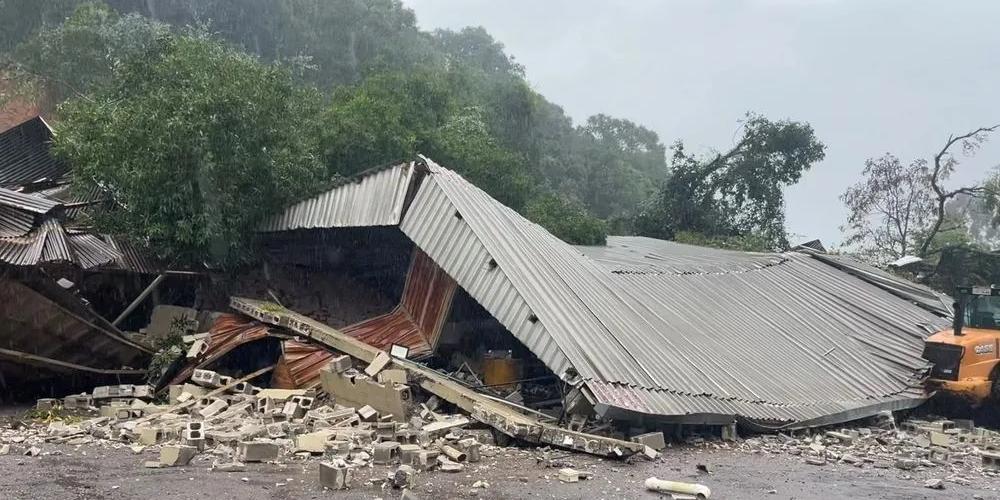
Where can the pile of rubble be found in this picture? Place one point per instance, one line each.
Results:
(235, 423)
(951, 450)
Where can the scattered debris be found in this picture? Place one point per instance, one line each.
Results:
(663, 486)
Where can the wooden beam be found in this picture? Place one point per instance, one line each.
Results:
(35, 360)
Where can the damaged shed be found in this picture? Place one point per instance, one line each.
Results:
(651, 331)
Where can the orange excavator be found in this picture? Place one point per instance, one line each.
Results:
(966, 358)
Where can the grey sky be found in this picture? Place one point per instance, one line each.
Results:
(870, 76)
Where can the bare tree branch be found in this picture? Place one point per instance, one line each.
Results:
(940, 164)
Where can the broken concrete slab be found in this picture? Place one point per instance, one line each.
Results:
(382, 359)
(174, 456)
(654, 440)
(358, 391)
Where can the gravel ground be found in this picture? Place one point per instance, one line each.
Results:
(90, 471)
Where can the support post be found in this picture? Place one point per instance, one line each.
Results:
(138, 300)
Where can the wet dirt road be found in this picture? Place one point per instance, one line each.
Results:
(91, 472)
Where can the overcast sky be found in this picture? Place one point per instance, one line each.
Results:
(870, 76)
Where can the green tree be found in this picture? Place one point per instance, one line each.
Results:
(567, 219)
(465, 144)
(736, 193)
(194, 148)
(82, 53)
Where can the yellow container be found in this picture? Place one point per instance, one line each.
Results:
(501, 372)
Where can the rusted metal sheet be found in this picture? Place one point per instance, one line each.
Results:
(227, 333)
(416, 322)
(299, 365)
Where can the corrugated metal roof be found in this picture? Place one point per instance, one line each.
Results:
(376, 198)
(133, 258)
(658, 328)
(772, 337)
(924, 296)
(15, 222)
(27, 202)
(49, 243)
(637, 254)
(25, 157)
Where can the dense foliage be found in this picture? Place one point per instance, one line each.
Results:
(737, 194)
(195, 146)
(388, 91)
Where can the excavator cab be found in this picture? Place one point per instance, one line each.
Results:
(965, 357)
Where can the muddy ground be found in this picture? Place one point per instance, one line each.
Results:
(90, 471)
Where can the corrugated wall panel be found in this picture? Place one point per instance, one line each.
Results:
(375, 199)
(431, 223)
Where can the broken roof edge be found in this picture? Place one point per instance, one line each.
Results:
(355, 201)
(920, 295)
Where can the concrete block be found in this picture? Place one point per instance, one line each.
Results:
(471, 448)
(257, 451)
(381, 360)
(197, 349)
(206, 378)
(291, 410)
(454, 453)
(151, 435)
(46, 404)
(173, 456)
(78, 401)
(991, 460)
(447, 465)
(194, 438)
(654, 440)
(386, 452)
(393, 376)
(941, 439)
(314, 442)
(213, 408)
(425, 459)
(336, 476)
(367, 413)
(341, 363)
(408, 453)
(338, 448)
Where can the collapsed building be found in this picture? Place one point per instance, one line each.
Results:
(483, 306)
(650, 331)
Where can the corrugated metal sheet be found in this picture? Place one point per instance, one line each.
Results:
(775, 338)
(299, 365)
(25, 157)
(927, 298)
(15, 222)
(50, 243)
(27, 202)
(416, 322)
(375, 198)
(228, 332)
(38, 325)
(640, 255)
(133, 258)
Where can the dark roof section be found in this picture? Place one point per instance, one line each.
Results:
(25, 157)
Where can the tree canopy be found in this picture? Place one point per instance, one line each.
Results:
(737, 193)
(385, 90)
(194, 146)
